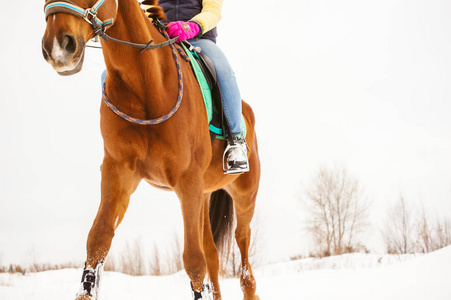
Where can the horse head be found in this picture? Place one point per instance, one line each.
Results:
(70, 25)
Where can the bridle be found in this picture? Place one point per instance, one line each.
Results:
(87, 14)
(99, 27)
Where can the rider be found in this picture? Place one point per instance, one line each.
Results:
(195, 21)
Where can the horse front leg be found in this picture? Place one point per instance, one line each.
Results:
(210, 251)
(190, 192)
(118, 183)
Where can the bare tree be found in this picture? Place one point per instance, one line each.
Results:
(337, 212)
(412, 231)
(443, 233)
(424, 237)
(133, 261)
(177, 254)
(431, 234)
(112, 263)
(398, 232)
(233, 267)
(156, 267)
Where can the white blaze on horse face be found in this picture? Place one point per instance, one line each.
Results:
(59, 55)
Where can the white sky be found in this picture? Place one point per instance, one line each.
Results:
(358, 84)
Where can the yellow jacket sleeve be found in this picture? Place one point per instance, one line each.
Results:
(210, 15)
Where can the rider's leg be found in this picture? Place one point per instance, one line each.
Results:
(237, 154)
(102, 78)
(227, 82)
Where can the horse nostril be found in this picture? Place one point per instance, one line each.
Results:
(45, 52)
(69, 44)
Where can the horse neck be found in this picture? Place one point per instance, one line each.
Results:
(136, 70)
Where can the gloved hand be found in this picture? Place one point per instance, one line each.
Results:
(185, 30)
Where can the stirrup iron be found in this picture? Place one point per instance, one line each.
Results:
(235, 167)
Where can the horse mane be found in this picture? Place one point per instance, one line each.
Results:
(153, 10)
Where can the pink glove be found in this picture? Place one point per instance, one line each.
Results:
(185, 30)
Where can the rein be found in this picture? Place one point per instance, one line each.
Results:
(98, 30)
(163, 118)
(99, 27)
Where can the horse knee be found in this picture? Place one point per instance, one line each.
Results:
(194, 262)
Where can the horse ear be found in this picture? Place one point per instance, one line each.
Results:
(152, 9)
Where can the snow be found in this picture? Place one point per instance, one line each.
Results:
(352, 276)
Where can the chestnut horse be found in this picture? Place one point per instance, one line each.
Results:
(176, 154)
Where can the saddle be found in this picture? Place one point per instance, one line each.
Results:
(205, 72)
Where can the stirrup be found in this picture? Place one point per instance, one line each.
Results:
(233, 170)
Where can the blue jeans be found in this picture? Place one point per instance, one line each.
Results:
(231, 97)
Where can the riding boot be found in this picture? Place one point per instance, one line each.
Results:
(236, 153)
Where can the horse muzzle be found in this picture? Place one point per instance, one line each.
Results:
(64, 52)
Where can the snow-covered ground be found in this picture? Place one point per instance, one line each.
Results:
(354, 276)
